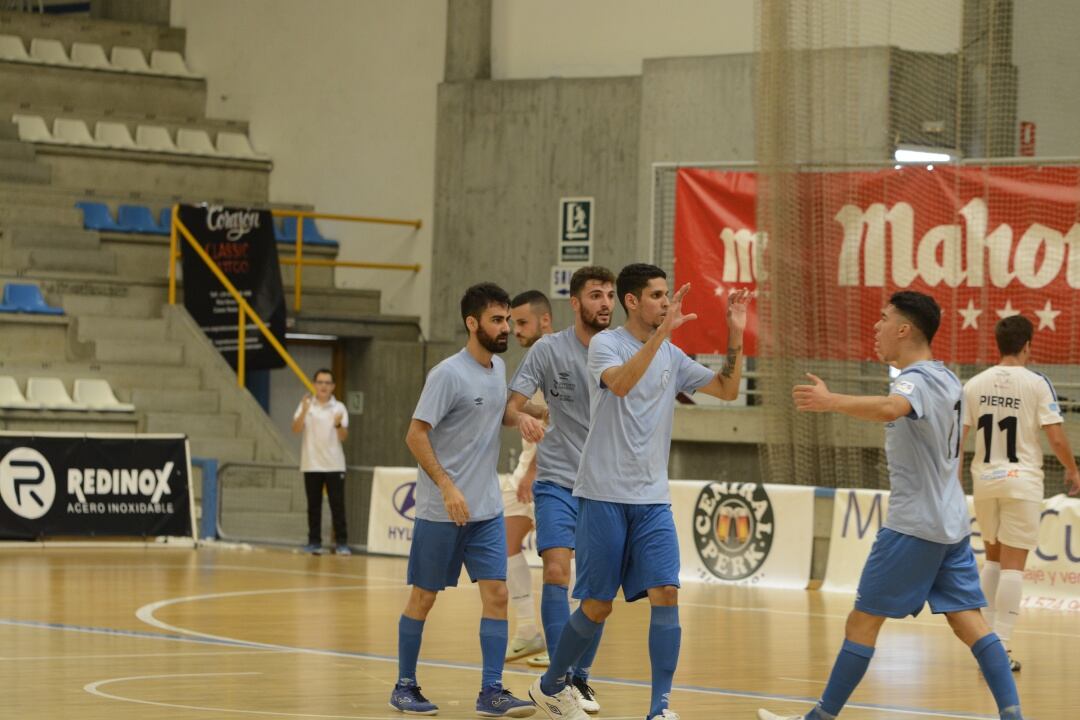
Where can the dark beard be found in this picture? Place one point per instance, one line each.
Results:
(492, 344)
(594, 322)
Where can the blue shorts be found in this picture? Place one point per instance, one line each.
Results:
(439, 549)
(634, 546)
(904, 572)
(556, 516)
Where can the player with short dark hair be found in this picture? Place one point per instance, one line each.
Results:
(454, 436)
(625, 534)
(923, 552)
(1007, 405)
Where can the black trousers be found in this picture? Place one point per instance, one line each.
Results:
(335, 492)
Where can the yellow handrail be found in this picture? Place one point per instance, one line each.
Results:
(245, 309)
(299, 262)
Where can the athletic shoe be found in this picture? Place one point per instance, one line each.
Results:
(560, 706)
(668, 714)
(766, 715)
(342, 550)
(521, 647)
(497, 701)
(538, 661)
(406, 698)
(585, 695)
(313, 549)
(1014, 664)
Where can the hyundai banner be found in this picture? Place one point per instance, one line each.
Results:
(64, 484)
(241, 242)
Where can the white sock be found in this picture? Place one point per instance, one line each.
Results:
(1010, 592)
(991, 572)
(570, 588)
(519, 585)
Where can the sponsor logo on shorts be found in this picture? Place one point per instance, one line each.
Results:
(733, 528)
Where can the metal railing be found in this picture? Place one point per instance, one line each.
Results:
(299, 261)
(244, 310)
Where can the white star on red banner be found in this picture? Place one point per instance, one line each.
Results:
(1047, 316)
(1007, 311)
(971, 316)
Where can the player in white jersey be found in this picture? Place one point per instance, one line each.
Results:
(530, 320)
(1007, 405)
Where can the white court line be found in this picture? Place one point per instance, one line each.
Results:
(137, 655)
(805, 680)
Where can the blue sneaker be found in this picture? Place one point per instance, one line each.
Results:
(406, 698)
(343, 550)
(313, 549)
(496, 701)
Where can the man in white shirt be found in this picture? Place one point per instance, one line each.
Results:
(1007, 405)
(325, 424)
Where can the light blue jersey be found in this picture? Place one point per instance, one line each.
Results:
(922, 450)
(558, 365)
(625, 458)
(463, 402)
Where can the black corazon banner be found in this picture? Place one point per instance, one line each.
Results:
(241, 242)
(61, 484)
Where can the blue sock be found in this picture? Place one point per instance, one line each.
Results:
(665, 635)
(493, 634)
(847, 672)
(409, 633)
(574, 640)
(554, 613)
(994, 663)
(584, 663)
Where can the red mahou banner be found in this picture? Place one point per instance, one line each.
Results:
(986, 242)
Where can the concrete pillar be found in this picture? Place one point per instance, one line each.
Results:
(989, 83)
(468, 40)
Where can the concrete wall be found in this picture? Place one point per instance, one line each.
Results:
(342, 94)
(1047, 56)
(507, 151)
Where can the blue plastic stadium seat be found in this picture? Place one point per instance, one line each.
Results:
(96, 216)
(287, 232)
(165, 218)
(28, 299)
(139, 219)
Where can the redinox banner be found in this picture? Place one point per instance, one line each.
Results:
(59, 484)
(241, 242)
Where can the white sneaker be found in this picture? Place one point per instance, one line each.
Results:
(668, 714)
(585, 695)
(764, 714)
(560, 706)
(521, 647)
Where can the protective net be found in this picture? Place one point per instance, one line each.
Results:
(827, 224)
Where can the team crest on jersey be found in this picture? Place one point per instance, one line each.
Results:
(905, 386)
(733, 528)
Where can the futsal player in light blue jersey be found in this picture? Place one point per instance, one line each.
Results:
(454, 436)
(557, 365)
(625, 532)
(923, 552)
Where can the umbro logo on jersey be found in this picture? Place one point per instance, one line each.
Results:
(478, 401)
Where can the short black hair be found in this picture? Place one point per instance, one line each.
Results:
(323, 371)
(1013, 333)
(538, 300)
(583, 275)
(920, 309)
(634, 278)
(477, 298)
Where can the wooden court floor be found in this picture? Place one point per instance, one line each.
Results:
(222, 633)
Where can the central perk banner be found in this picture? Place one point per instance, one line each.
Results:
(241, 242)
(986, 242)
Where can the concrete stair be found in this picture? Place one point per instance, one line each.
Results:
(179, 401)
(220, 425)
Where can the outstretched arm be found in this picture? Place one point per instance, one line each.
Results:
(877, 408)
(726, 383)
(621, 379)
